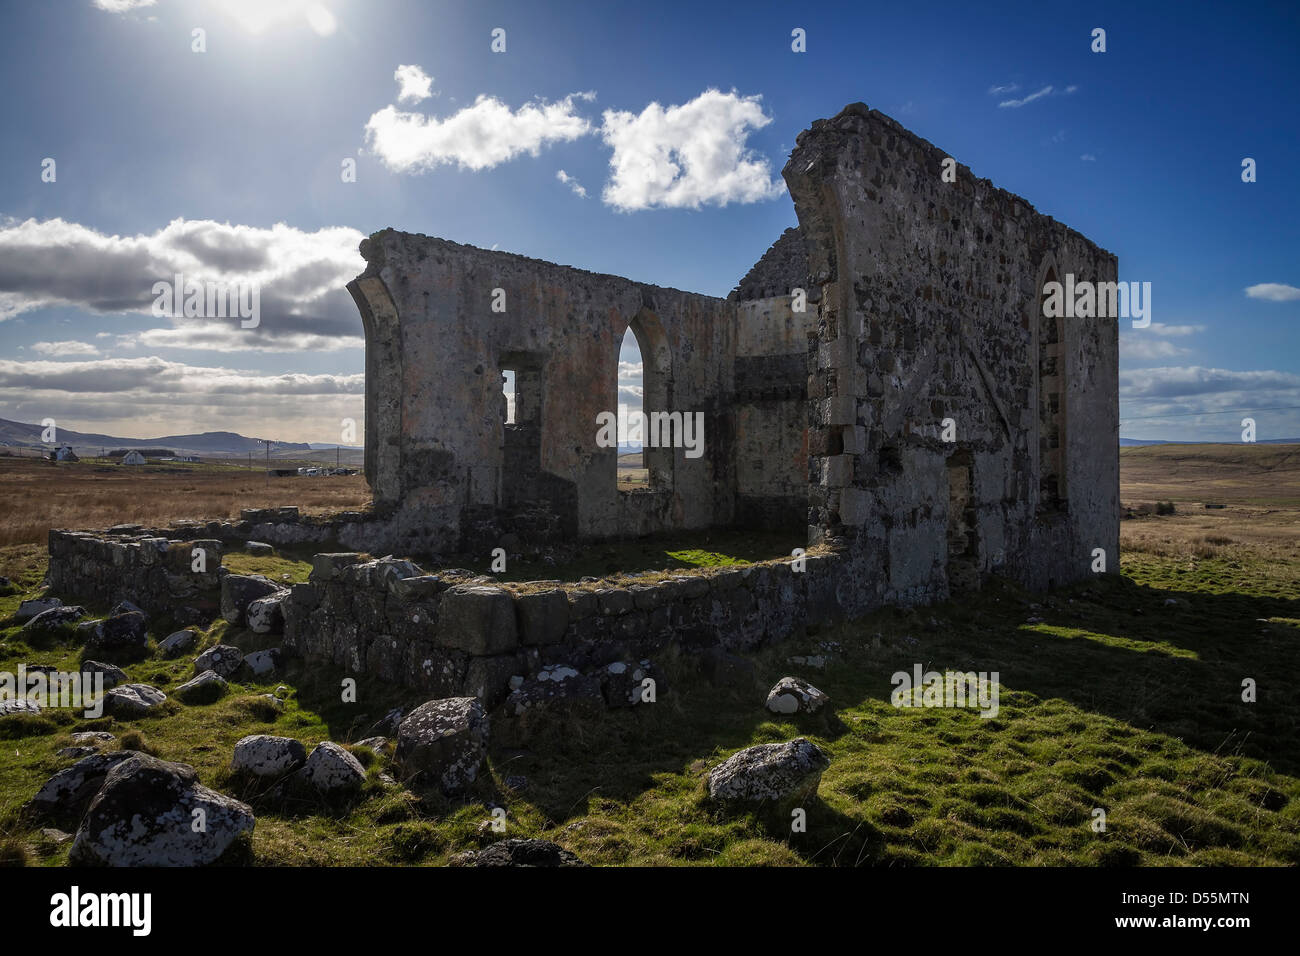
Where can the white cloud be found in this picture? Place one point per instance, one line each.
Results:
(65, 348)
(413, 83)
(1016, 104)
(578, 189)
(630, 371)
(1159, 328)
(1197, 382)
(1088, 158)
(1001, 90)
(1134, 346)
(122, 6)
(258, 16)
(1274, 292)
(631, 394)
(1203, 403)
(147, 397)
(689, 155)
(477, 137)
(300, 276)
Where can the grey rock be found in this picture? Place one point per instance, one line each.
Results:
(30, 608)
(264, 663)
(444, 742)
(477, 620)
(332, 771)
(240, 590)
(266, 614)
(259, 548)
(10, 708)
(143, 816)
(133, 700)
(769, 773)
(178, 642)
(54, 619)
(207, 688)
(224, 659)
(519, 852)
(261, 755)
(65, 795)
(794, 695)
(113, 675)
(121, 632)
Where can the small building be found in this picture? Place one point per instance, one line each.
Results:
(65, 453)
(133, 458)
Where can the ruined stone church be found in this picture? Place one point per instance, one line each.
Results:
(883, 383)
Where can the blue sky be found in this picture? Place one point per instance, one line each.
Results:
(168, 157)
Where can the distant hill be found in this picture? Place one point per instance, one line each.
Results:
(216, 444)
(1143, 442)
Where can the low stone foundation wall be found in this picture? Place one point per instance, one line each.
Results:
(154, 572)
(458, 633)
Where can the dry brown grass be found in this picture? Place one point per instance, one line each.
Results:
(1259, 486)
(39, 495)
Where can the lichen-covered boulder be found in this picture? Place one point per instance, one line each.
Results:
(133, 700)
(54, 619)
(113, 676)
(444, 742)
(29, 609)
(794, 695)
(178, 642)
(266, 614)
(65, 796)
(519, 852)
(145, 815)
(240, 590)
(223, 659)
(207, 688)
(261, 755)
(263, 663)
(121, 632)
(333, 772)
(769, 774)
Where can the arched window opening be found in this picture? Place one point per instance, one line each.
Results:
(633, 473)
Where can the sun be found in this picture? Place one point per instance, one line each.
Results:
(258, 16)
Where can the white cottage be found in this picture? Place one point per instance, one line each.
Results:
(133, 458)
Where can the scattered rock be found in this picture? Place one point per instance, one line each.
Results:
(125, 607)
(29, 609)
(264, 756)
(387, 725)
(113, 675)
(769, 773)
(54, 619)
(143, 814)
(794, 695)
(224, 659)
(556, 691)
(64, 797)
(92, 737)
(240, 590)
(377, 744)
(517, 852)
(332, 771)
(444, 742)
(266, 614)
(10, 708)
(259, 548)
(263, 663)
(55, 836)
(207, 688)
(178, 642)
(121, 632)
(132, 700)
(76, 753)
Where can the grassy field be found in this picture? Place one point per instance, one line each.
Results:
(40, 495)
(1121, 694)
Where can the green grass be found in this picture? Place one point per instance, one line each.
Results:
(1115, 700)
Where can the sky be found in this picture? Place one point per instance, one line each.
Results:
(644, 141)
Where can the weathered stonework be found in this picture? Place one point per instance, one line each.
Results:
(919, 417)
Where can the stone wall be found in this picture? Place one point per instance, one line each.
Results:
(131, 564)
(929, 309)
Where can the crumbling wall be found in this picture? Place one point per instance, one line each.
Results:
(929, 297)
(434, 406)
